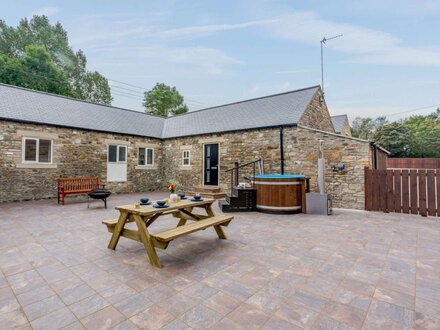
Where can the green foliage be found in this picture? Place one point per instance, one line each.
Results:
(394, 137)
(416, 136)
(62, 70)
(425, 135)
(164, 101)
(364, 128)
(34, 70)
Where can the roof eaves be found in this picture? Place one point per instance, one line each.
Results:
(75, 127)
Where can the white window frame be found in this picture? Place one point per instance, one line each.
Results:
(37, 151)
(189, 157)
(117, 153)
(146, 156)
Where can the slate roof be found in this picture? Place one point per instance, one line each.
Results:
(279, 109)
(20, 104)
(26, 105)
(338, 122)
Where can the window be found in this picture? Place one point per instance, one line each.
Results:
(37, 150)
(146, 156)
(122, 154)
(117, 154)
(185, 158)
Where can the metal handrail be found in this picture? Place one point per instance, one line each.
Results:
(235, 171)
(243, 165)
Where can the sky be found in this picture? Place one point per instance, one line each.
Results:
(216, 52)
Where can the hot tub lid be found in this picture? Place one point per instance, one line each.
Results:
(279, 176)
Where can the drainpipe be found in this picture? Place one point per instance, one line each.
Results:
(282, 149)
(374, 156)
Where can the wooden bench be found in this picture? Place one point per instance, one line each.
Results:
(110, 224)
(161, 239)
(170, 234)
(70, 186)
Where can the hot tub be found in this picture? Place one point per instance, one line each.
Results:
(281, 193)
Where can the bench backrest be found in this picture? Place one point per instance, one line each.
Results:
(76, 184)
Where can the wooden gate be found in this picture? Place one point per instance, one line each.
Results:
(403, 191)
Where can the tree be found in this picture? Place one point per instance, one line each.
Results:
(394, 137)
(364, 128)
(416, 136)
(38, 31)
(164, 101)
(34, 70)
(424, 135)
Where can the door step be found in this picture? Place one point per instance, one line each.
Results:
(206, 192)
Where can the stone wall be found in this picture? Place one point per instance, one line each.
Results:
(346, 130)
(316, 115)
(346, 187)
(242, 146)
(300, 152)
(81, 153)
(76, 153)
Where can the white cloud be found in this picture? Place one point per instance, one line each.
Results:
(208, 60)
(48, 11)
(199, 30)
(121, 30)
(364, 44)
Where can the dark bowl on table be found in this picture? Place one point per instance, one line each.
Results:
(160, 203)
(182, 195)
(144, 200)
(197, 197)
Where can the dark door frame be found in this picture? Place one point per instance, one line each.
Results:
(218, 164)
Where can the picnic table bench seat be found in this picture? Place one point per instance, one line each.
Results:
(170, 234)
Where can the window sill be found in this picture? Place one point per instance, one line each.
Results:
(186, 167)
(36, 165)
(146, 167)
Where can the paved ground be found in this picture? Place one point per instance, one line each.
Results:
(351, 270)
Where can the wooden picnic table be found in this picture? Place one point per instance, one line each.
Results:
(146, 215)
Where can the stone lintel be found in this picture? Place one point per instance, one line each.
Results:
(36, 134)
(35, 165)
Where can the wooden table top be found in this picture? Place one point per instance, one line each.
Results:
(149, 209)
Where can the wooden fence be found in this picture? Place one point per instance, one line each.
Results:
(427, 163)
(403, 191)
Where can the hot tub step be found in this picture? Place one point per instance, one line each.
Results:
(241, 200)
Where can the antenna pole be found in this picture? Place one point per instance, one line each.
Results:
(322, 65)
(323, 41)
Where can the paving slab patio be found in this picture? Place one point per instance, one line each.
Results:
(352, 270)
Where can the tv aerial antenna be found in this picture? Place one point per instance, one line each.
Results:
(323, 41)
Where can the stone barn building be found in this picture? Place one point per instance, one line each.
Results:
(44, 137)
(341, 125)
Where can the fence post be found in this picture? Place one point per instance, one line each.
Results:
(367, 188)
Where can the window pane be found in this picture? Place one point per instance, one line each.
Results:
(122, 153)
(30, 150)
(112, 154)
(141, 156)
(186, 157)
(44, 151)
(149, 156)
